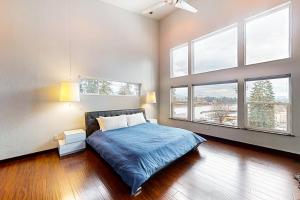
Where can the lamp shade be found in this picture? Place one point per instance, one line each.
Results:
(69, 91)
(151, 97)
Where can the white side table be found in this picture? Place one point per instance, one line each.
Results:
(153, 121)
(74, 141)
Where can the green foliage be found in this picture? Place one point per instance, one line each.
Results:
(105, 88)
(220, 112)
(261, 107)
(125, 89)
(89, 86)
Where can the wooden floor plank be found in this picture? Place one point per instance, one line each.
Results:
(217, 171)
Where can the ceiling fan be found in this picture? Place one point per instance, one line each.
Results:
(182, 4)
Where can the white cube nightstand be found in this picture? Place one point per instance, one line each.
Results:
(153, 121)
(74, 136)
(73, 141)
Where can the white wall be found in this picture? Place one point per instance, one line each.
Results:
(181, 27)
(106, 42)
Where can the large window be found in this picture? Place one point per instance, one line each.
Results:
(109, 88)
(216, 51)
(268, 36)
(216, 103)
(268, 104)
(179, 59)
(179, 103)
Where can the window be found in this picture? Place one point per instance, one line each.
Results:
(268, 36)
(179, 61)
(216, 51)
(109, 88)
(268, 104)
(179, 103)
(216, 103)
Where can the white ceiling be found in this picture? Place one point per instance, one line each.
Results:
(138, 6)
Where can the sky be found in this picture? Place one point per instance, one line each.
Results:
(220, 90)
(267, 37)
(216, 51)
(280, 88)
(180, 61)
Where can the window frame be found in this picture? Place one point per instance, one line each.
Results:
(214, 123)
(235, 25)
(186, 44)
(289, 106)
(111, 95)
(265, 13)
(170, 102)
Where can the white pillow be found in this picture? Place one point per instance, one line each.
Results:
(135, 119)
(111, 123)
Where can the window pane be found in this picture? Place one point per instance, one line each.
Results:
(179, 61)
(267, 37)
(216, 104)
(268, 104)
(216, 51)
(109, 88)
(179, 103)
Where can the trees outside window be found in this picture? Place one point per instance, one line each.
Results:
(261, 109)
(268, 104)
(216, 103)
(109, 88)
(105, 88)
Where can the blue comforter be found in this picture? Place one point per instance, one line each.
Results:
(138, 152)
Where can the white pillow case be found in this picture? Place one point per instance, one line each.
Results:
(111, 123)
(135, 119)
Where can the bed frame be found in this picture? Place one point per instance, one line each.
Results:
(91, 122)
(92, 126)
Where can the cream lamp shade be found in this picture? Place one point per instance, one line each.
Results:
(151, 97)
(69, 91)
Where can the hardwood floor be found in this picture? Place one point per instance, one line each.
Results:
(217, 171)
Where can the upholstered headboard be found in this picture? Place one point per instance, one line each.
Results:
(91, 122)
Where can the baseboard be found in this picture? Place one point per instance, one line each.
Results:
(208, 137)
(252, 146)
(28, 155)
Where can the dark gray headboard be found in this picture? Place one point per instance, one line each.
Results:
(91, 122)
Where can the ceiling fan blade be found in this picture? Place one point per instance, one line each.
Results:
(151, 9)
(185, 6)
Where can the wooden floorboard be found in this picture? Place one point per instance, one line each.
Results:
(216, 171)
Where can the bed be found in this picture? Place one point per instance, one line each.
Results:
(138, 152)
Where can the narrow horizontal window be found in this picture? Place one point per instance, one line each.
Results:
(109, 88)
(268, 36)
(218, 50)
(216, 104)
(179, 59)
(268, 104)
(179, 103)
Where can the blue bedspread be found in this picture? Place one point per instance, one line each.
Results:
(138, 152)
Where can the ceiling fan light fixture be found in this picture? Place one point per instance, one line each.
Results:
(182, 4)
(185, 6)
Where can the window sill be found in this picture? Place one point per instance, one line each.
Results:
(269, 61)
(268, 132)
(215, 124)
(178, 119)
(234, 127)
(173, 77)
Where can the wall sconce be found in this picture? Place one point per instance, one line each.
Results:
(151, 97)
(69, 91)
